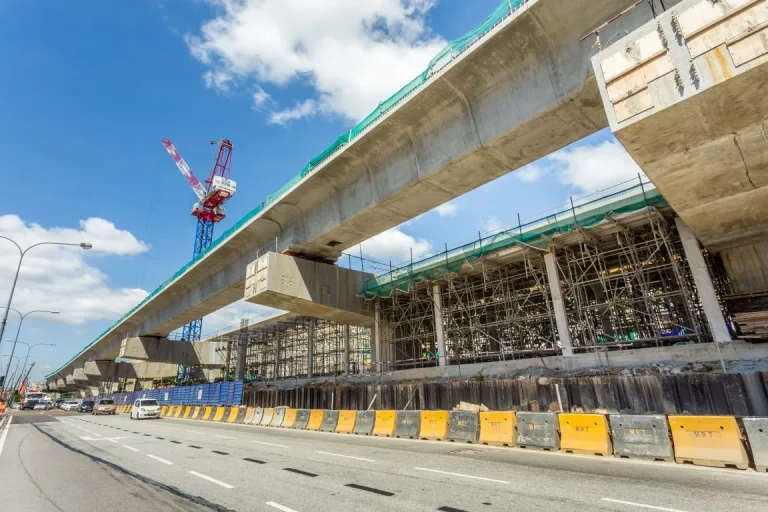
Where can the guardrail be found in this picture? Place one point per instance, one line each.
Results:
(715, 441)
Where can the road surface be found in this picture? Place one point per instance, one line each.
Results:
(54, 462)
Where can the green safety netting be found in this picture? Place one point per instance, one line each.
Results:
(534, 234)
(451, 50)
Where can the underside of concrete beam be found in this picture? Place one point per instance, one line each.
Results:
(168, 351)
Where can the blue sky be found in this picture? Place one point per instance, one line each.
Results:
(87, 93)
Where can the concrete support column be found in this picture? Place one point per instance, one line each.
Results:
(345, 334)
(242, 347)
(437, 303)
(703, 280)
(377, 336)
(553, 278)
(310, 347)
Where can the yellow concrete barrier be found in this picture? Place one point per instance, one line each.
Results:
(171, 411)
(207, 413)
(179, 410)
(269, 415)
(233, 412)
(220, 410)
(385, 423)
(708, 441)
(290, 418)
(434, 425)
(187, 412)
(315, 419)
(346, 423)
(498, 428)
(164, 410)
(250, 412)
(196, 413)
(128, 409)
(585, 433)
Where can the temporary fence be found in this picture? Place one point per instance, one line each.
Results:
(444, 57)
(222, 393)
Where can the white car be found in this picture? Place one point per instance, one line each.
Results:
(69, 405)
(40, 406)
(145, 408)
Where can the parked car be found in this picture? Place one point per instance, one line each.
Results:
(85, 406)
(69, 405)
(59, 401)
(104, 406)
(145, 408)
(29, 404)
(40, 406)
(16, 405)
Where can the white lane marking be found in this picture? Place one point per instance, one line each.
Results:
(462, 475)
(279, 506)
(345, 456)
(130, 448)
(217, 482)
(5, 433)
(195, 432)
(159, 459)
(641, 505)
(270, 444)
(224, 437)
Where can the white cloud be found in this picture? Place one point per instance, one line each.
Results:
(79, 332)
(228, 318)
(260, 98)
(589, 168)
(59, 278)
(447, 209)
(351, 53)
(393, 245)
(492, 225)
(530, 173)
(302, 109)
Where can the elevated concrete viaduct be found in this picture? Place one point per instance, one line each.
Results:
(684, 91)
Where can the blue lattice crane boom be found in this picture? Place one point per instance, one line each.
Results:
(209, 209)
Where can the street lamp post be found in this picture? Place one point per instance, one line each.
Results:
(16, 339)
(24, 365)
(22, 253)
(6, 377)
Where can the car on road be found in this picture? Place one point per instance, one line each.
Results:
(104, 406)
(85, 406)
(40, 406)
(29, 404)
(145, 408)
(69, 405)
(59, 401)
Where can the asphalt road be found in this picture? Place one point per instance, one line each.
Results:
(65, 462)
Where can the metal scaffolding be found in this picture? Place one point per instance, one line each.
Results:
(625, 283)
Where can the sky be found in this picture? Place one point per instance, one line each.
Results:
(88, 93)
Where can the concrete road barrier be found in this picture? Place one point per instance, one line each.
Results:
(346, 423)
(757, 434)
(171, 411)
(384, 424)
(408, 424)
(249, 413)
(196, 413)
(708, 441)
(187, 412)
(641, 437)
(179, 410)
(164, 411)
(269, 415)
(330, 420)
(588, 434)
(258, 415)
(219, 414)
(290, 418)
(279, 417)
(302, 419)
(434, 425)
(207, 413)
(315, 419)
(538, 430)
(463, 426)
(364, 423)
(234, 412)
(498, 428)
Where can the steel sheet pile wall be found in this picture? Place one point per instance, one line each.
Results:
(704, 394)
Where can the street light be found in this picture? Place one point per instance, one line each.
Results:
(22, 253)
(16, 339)
(24, 365)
